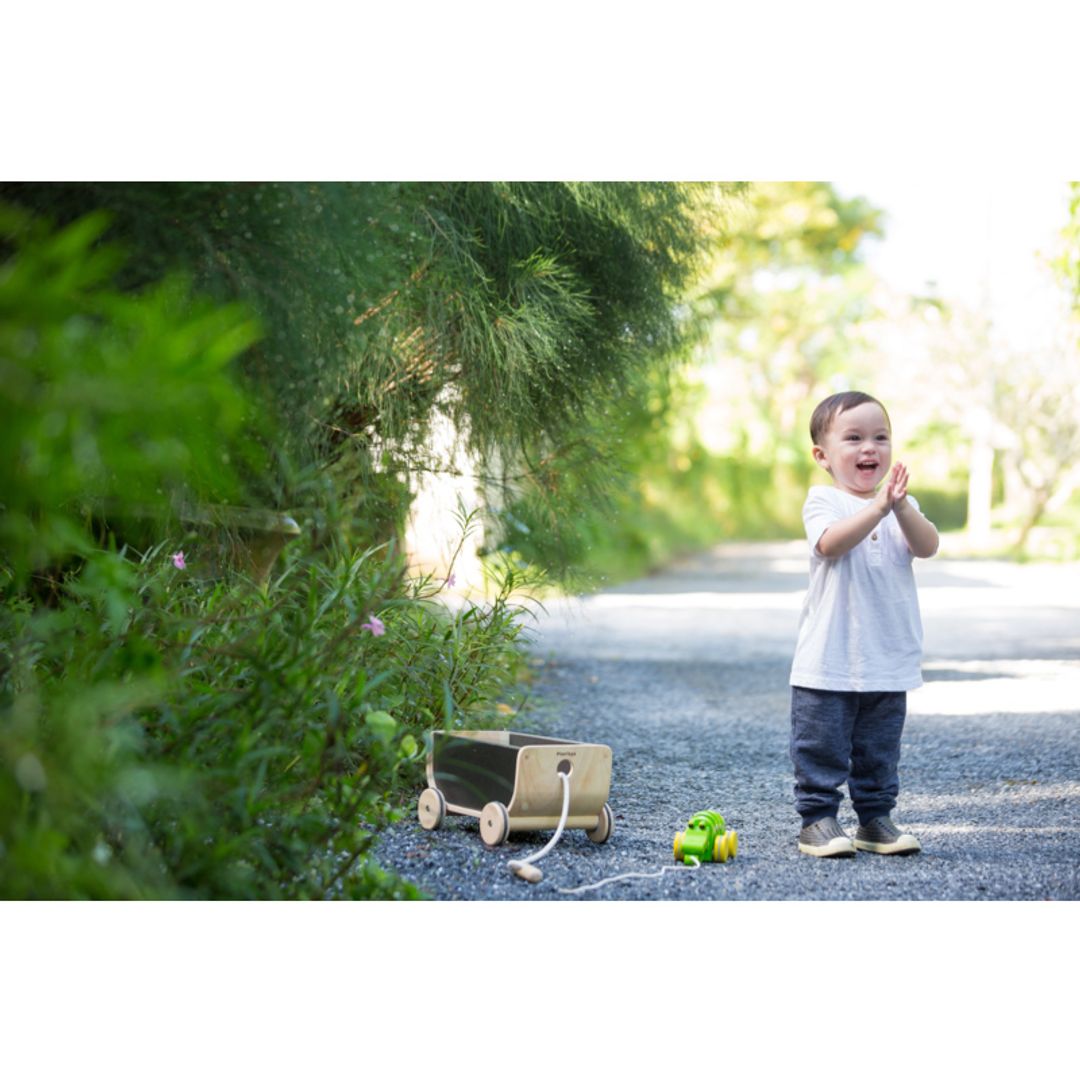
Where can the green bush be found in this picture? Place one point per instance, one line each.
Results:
(163, 735)
(946, 509)
(222, 740)
(668, 496)
(520, 309)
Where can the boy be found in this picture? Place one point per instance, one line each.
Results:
(859, 647)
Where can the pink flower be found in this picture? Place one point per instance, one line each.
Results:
(450, 581)
(375, 625)
(178, 560)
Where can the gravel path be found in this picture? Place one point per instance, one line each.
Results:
(684, 676)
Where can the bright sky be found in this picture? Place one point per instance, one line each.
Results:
(977, 238)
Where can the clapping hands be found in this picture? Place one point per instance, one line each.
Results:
(894, 489)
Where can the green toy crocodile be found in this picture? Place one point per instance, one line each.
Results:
(706, 840)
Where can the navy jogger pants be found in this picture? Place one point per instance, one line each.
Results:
(846, 736)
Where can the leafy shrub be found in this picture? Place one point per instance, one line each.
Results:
(227, 741)
(519, 309)
(108, 400)
(163, 736)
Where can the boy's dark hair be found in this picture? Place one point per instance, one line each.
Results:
(833, 406)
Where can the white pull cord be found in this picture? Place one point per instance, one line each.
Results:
(637, 873)
(523, 867)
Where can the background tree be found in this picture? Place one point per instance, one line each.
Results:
(991, 411)
(1040, 405)
(1067, 261)
(513, 307)
(784, 298)
(715, 448)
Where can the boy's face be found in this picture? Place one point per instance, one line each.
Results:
(857, 449)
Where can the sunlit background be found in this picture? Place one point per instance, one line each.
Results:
(987, 250)
(946, 298)
(952, 308)
(984, 244)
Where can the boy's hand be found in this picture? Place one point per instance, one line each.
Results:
(920, 534)
(899, 481)
(922, 538)
(893, 490)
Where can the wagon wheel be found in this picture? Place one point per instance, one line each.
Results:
(494, 824)
(431, 808)
(604, 827)
(678, 846)
(733, 843)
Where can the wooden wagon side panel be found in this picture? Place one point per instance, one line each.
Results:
(471, 771)
(538, 793)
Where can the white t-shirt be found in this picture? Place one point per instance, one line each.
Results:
(860, 627)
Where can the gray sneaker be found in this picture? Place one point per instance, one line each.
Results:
(885, 838)
(825, 838)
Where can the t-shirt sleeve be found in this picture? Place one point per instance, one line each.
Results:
(819, 511)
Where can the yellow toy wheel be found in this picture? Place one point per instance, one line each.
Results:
(719, 852)
(733, 843)
(678, 846)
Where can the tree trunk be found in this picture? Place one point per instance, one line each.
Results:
(1038, 508)
(980, 493)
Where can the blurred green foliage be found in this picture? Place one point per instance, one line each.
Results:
(513, 307)
(784, 300)
(162, 736)
(667, 495)
(713, 445)
(946, 509)
(1067, 262)
(108, 397)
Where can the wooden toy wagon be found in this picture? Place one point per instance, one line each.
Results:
(511, 782)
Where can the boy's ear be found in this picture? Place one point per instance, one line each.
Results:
(820, 458)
